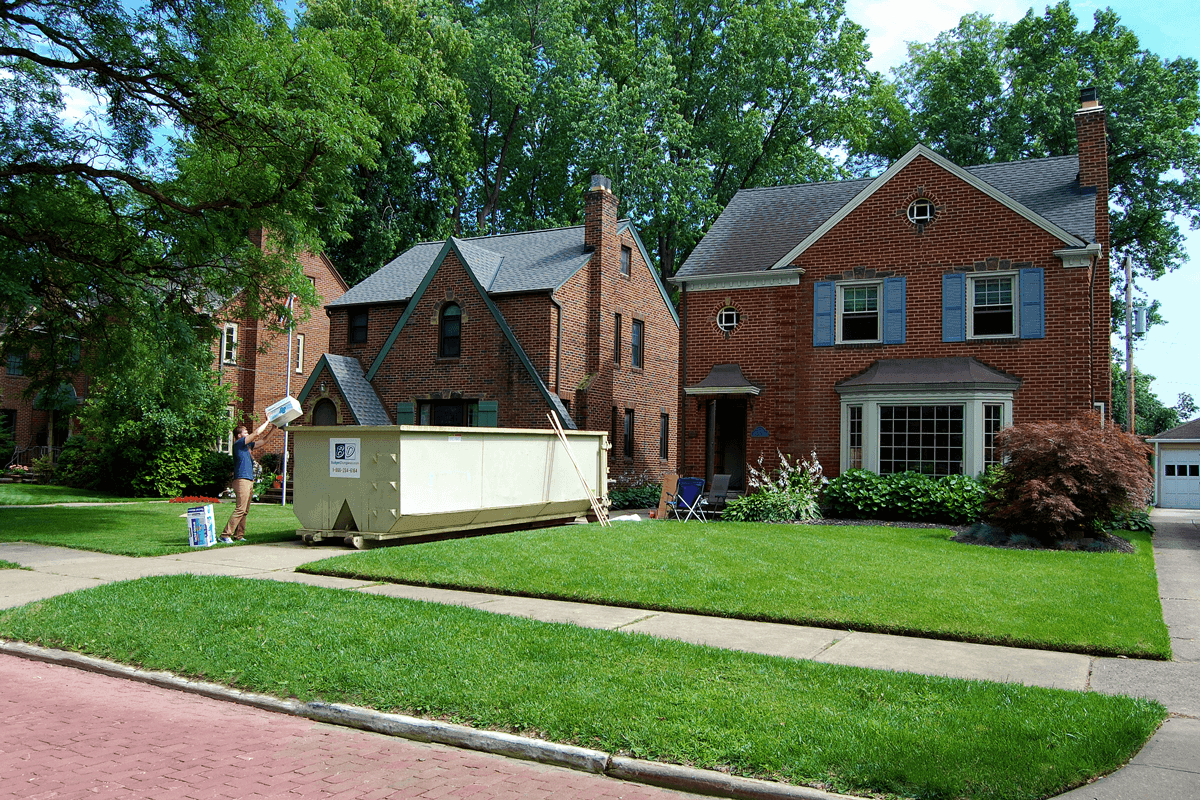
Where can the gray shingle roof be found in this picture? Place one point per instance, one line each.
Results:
(529, 261)
(1188, 430)
(959, 371)
(364, 403)
(760, 226)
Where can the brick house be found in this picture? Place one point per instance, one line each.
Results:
(254, 361)
(501, 330)
(27, 419)
(899, 322)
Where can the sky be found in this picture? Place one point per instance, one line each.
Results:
(1168, 28)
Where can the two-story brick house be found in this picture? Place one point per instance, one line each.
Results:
(502, 330)
(255, 362)
(899, 322)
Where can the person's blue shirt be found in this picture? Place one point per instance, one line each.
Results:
(243, 464)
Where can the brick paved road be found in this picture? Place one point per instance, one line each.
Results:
(66, 733)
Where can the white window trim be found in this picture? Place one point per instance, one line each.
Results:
(1016, 298)
(299, 366)
(227, 445)
(840, 288)
(734, 314)
(226, 356)
(972, 402)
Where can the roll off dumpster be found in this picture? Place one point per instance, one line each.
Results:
(367, 484)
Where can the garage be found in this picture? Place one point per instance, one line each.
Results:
(1177, 467)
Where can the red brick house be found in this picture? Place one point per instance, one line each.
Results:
(254, 361)
(27, 419)
(501, 330)
(897, 323)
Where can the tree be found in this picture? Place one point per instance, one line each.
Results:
(987, 91)
(1152, 416)
(1186, 406)
(209, 118)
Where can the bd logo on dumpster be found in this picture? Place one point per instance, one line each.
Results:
(343, 458)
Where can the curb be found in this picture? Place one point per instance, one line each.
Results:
(669, 776)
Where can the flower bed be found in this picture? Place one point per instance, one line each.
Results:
(200, 500)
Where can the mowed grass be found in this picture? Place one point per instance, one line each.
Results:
(883, 579)
(32, 494)
(804, 722)
(136, 529)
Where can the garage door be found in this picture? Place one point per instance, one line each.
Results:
(1180, 478)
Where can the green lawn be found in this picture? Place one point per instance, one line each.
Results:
(143, 529)
(32, 494)
(883, 579)
(804, 722)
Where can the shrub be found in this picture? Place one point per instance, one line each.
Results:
(1061, 479)
(271, 462)
(789, 494)
(859, 494)
(1138, 520)
(216, 470)
(643, 495)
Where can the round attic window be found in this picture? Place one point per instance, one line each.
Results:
(920, 211)
(728, 318)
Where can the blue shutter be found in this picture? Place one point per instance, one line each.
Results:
(487, 414)
(823, 314)
(1033, 304)
(893, 310)
(954, 307)
(405, 414)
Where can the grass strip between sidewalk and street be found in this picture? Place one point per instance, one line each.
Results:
(912, 581)
(843, 728)
(141, 529)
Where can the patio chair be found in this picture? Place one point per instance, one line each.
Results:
(688, 500)
(717, 492)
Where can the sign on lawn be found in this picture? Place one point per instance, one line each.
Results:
(344, 458)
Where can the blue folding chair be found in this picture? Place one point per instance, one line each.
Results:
(688, 500)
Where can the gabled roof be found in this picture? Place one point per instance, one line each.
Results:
(1187, 432)
(509, 263)
(476, 261)
(957, 372)
(768, 228)
(365, 405)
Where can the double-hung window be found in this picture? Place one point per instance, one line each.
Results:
(626, 260)
(637, 333)
(229, 343)
(994, 305)
(858, 312)
(992, 311)
(617, 338)
(628, 433)
(450, 332)
(664, 435)
(299, 353)
(357, 328)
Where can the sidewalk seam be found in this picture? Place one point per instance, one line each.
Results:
(670, 776)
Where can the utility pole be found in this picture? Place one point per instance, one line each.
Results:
(1131, 419)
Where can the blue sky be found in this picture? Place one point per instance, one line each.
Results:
(1168, 28)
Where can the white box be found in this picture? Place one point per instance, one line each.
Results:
(284, 411)
(202, 528)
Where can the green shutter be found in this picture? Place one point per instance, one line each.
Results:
(488, 412)
(405, 414)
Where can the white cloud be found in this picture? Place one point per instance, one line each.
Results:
(892, 25)
(79, 105)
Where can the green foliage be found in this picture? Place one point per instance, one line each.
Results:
(1134, 520)
(787, 494)
(1152, 416)
(911, 496)
(642, 495)
(988, 91)
(1062, 479)
(270, 462)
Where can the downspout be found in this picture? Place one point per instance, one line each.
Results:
(1092, 333)
(681, 467)
(558, 349)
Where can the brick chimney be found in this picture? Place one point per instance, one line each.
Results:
(599, 215)
(599, 237)
(1092, 135)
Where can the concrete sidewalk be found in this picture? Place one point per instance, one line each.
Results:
(1169, 761)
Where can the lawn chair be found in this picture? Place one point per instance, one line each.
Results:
(717, 492)
(688, 500)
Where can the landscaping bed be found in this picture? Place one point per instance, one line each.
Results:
(866, 578)
(135, 529)
(840, 728)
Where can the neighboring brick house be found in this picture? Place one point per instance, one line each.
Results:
(899, 322)
(501, 330)
(26, 419)
(253, 360)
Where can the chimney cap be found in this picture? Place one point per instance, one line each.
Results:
(600, 183)
(1088, 98)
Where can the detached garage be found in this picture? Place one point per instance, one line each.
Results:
(1177, 467)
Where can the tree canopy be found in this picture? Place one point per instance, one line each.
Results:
(140, 143)
(988, 91)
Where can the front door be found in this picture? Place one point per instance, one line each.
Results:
(727, 438)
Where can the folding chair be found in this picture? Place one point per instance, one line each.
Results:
(688, 499)
(718, 490)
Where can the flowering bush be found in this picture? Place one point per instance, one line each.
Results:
(789, 493)
(19, 469)
(192, 499)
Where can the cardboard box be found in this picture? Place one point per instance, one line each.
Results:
(284, 411)
(202, 528)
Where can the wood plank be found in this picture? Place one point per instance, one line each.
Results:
(670, 483)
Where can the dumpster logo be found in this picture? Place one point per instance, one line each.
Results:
(344, 459)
